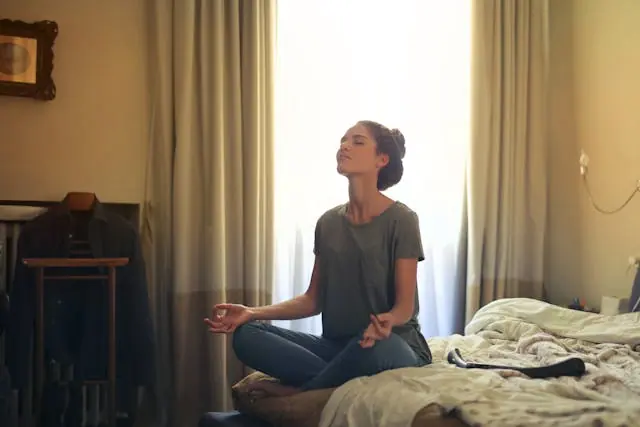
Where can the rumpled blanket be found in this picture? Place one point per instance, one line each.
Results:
(512, 332)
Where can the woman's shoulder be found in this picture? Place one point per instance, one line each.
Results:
(336, 212)
(401, 211)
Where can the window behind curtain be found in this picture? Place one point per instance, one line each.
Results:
(404, 63)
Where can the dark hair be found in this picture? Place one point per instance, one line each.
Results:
(391, 143)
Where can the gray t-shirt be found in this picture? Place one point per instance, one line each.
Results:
(357, 271)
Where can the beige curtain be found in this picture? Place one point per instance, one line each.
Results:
(208, 207)
(507, 186)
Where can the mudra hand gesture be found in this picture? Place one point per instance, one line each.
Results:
(379, 329)
(227, 317)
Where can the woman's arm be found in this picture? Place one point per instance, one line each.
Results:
(305, 305)
(408, 250)
(405, 281)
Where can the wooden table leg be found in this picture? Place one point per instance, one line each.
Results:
(39, 345)
(112, 347)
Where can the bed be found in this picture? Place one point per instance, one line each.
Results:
(513, 332)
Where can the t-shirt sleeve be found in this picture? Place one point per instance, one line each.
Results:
(408, 241)
(316, 240)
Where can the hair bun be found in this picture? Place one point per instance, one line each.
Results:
(398, 137)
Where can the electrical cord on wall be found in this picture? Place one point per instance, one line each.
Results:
(584, 172)
(604, 211)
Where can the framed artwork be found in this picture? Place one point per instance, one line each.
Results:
(26, 59)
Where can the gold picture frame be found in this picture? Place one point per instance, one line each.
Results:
(26, 59)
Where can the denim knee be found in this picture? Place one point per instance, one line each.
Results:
(391, 353)
(243, 338)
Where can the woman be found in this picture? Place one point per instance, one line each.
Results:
(363, 282)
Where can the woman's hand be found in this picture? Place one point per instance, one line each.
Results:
(379, 329)
(227, 317)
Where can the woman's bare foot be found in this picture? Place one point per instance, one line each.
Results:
(268, 388)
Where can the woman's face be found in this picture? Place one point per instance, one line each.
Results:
(358, 153)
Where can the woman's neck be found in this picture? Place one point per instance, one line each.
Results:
(365, 201)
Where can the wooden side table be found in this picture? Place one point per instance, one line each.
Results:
(39, 264)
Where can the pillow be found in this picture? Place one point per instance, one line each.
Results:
(304, 409)
(300, 410)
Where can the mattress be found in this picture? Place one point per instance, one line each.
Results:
(304, 410)
(511, 332)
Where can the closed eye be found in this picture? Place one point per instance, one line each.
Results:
(359, 140)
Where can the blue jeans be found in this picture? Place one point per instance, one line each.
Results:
(311, 362)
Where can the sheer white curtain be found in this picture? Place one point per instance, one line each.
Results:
(404, 63)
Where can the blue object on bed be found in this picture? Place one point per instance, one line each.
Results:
(634, 301)
(230, 419)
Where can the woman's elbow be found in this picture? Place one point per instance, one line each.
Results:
(402, 313)
(312, 304)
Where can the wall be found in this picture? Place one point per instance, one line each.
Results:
(595, 105)
(93, 136)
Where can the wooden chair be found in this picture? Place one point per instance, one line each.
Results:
(40, 264)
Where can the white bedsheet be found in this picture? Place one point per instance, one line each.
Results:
(519, 332)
